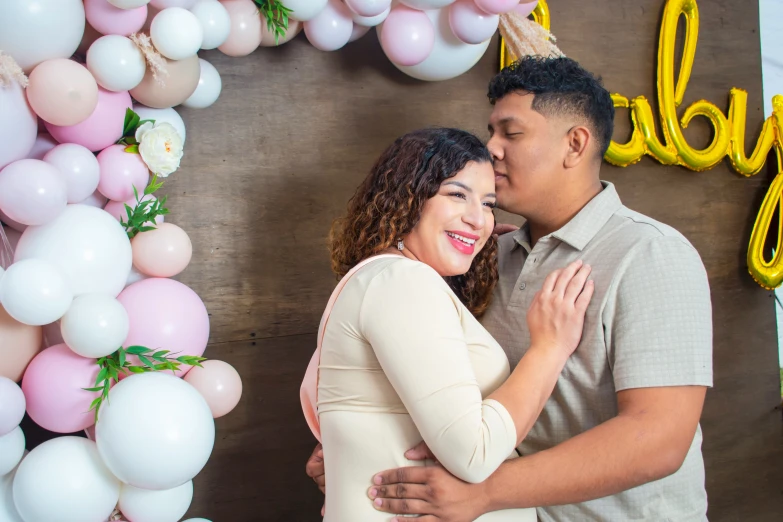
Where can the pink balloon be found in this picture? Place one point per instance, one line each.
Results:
(62, 91)
(331, 29)
(18, 124)
(408, 36)
(12, 405)
(32, 192)
(120, 172)
(219, 383)
(79, 168)
(43, 144)
(102, 128)
(368, 8)
(53, 386)
(166, 315)
(165, 4)
(525, 8)
(107, 19)
(117, 208)
(470, 24)
(245, 35)
(497, 6)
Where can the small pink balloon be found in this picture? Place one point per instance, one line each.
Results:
(96, 199)
(408, 36)
(32, 192)
(497, 6)
(107, 19)
(102, 128)
(62, 92)
(163, 252)
(166, 315)
(79, 168)
(245, 35)
(331, 29)
(43, 144)
(12, 405)
(120, 172)
(53, 386)
(525, 8)
(368, 8)
(117, 208)
(470, 24)
(219, 383)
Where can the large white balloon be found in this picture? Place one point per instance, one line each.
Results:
(128, 4)
(178, 425)
(95, 325)
(176, 33)
(450, 57)
(304, 10)
(427, 4)
(88, 245)
(209, 87)
(34, 292)
(32, 31)
(116, 62)
(18, 124)
(11, 450)
(215, 22)
(168, 505)
(8, 511)
(64, 479)
(169, 115)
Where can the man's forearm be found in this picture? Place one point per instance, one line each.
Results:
(617, 455)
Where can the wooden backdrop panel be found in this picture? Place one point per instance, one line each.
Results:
(274, 161)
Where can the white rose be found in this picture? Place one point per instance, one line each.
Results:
(160, 146)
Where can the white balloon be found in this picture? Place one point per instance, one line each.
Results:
(165, 4)
(95, 325)
(12, 402)
(34, 292)
(43, 144)
(368, 8)
(215, 22)
(331, 29)
(135, 276)
(11, 450)
(422, 5)
(304, 10)
(32, 31)
(370, 21)
(197, 520)
(116, 63)
(169, 415)
(8, 511)
(209, 87)
(18, 124)
(79, 168)
(176, 33)
(450, 56)
(96, 199)
(64, 479)
(358, 32)
(168, 505)
(162, 115)
(128, 4)
(88, 245)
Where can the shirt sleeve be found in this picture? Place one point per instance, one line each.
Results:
(412, 321)
(659, 327)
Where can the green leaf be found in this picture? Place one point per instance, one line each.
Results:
(132, 149)
(137, 350)
(136, 369)
(122, 356)
(126, 126)
(146, 361)
(96, 389)
(160, 355)
(101, 376)
(142, 122)
(95, 403)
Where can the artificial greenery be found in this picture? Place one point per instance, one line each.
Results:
(132, 122)
(145, 211)
(117, 363)
(276, 15)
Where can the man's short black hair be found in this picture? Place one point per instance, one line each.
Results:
(560, 86)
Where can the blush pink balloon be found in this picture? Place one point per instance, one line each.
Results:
(117, 208)
(79, 169)
(497, 6)
(107, 19)
(525, 8)
(53, 387)
(245, 35)
(166, 315)
(331, 29)
(62, 92)
(102, 128)
(43, 144)
(120, 172)
(408, 36)
(470, 24)
(219, 383)
(163, 252)
(32, 192)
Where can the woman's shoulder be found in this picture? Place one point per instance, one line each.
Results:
(400, 271)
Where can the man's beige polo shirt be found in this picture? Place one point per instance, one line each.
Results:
(649, 324)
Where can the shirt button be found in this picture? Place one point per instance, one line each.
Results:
(522, 286)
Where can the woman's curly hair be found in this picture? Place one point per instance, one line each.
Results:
(388, 204)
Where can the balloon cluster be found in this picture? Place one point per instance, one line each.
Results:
(86, 261)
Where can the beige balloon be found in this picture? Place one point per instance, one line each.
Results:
(62, 92)
(177, 86)
(19, 343)
(246, 28)
(163, 252)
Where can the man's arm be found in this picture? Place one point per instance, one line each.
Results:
(648, 440)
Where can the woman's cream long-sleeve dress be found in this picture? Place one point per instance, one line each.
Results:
(403, 361)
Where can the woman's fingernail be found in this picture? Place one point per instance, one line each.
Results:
(373, 493)
(378, 502)
(377, 480)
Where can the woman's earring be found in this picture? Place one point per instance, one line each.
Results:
(400, 245)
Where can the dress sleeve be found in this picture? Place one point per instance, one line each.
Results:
(412, 320)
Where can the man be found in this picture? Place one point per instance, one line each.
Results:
(619, 438)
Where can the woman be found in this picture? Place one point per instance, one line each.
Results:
(403, 357)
